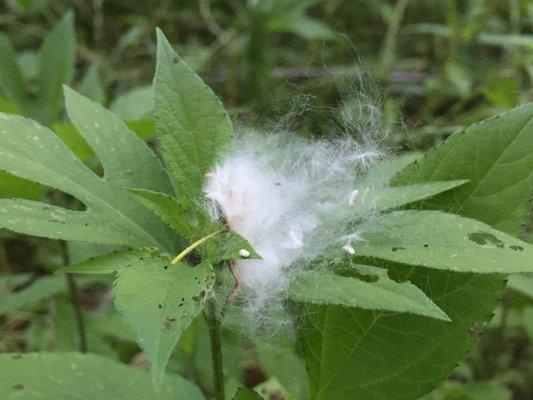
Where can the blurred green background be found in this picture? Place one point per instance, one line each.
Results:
(416, 70)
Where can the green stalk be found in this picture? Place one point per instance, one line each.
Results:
(75, 300)
(213, 325)
(389, 48)
(195, 245)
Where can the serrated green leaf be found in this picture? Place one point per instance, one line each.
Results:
(178, 213)
(368, 355)
(12, 82)
(496, 156)
(444, 241)
(40, 219)
(72, 138)
(158, 301)
(109, 263)
(126, 159)
(83, 376)
(35, 153)
(396, 197)
(381, 294)
(191, 124)
(56, 67)
(246, 394)
(192, 223)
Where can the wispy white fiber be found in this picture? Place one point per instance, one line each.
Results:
(293, 199)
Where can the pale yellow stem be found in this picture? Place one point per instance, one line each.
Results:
(195, 245)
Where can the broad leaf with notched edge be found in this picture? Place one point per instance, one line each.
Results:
(381, 294)
(83, 376)
(123, 155)
(32, 151)
(369, 355)
(191, 124)
(435, 239)
(158, 301)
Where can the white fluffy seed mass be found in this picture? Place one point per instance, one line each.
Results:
(293, 199)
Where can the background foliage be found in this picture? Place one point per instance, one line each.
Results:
(434, 66)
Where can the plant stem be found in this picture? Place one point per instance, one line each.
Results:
(389, 47)
(75, 300)
(5, 267)
(213, 325)
(195, 245)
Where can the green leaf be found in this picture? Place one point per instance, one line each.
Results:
(72, 138)
(496, 156)
(246, 394)
(396, 197)
(83, 376)
(9, 107)
(56, 67)
(135, 104)
(33, 152)
(444, 241)
(191, 124)
(284, 364)
(178, 213)
(109, 263)
(385, 171)
(91, 85)
(22, 291)
(368, 355)
(380, 294)
(522, 284)
(12, 186)
(308, 28)
(228, 247)
(126, 159)
(12, 82)
(159, 301)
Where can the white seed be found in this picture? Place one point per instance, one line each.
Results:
(244, 253)
(353, 197)
(349, 249)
